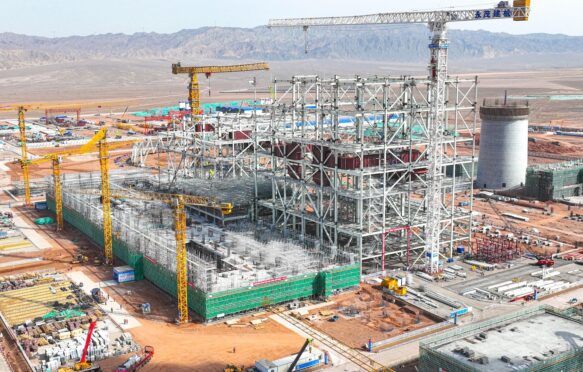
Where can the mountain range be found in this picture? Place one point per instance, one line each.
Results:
(407, 43)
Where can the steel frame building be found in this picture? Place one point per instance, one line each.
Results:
(349, 165)
(214, 146)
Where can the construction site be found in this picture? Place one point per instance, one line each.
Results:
(387, 222)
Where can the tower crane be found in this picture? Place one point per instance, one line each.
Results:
(56, 159)
(177, 202)
(21, 109)
(438, 47)
(193, 71)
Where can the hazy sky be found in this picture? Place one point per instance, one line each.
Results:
(84, 17)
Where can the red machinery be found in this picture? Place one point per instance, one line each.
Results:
(545, 262)
(83, 365)
(137, 362)
(495, 250)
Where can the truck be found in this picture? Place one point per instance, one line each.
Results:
(136, 362)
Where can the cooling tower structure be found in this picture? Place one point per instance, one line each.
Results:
(503, 144)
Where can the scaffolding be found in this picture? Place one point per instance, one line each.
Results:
(221, 261)
(349, 164)
(218, 146)
(555, 181)
(495, 250)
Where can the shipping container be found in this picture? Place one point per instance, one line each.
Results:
(124, 274)
(40, 206)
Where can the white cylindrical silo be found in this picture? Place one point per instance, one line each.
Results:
(503, 157)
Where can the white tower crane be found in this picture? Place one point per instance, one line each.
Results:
(438, 48)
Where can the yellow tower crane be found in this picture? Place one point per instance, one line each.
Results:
(177, 202)
(56, 159)
(22, 129)
(193, 71)
(24, 154)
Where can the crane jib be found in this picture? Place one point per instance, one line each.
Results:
(516, 13)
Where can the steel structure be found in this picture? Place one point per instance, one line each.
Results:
(220, 155)
(221, 146)
(437, 21)
(495, 250)
(229, 270)
(350, 163)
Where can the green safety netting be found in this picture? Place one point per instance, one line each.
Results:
(161, 111)
(44, 221)
(209, 306)
(65, 314)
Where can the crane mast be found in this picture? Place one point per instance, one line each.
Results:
(105, 201)
(181, 264)
(58, 192)
(24, 155)
(437, 119)
(178, 203)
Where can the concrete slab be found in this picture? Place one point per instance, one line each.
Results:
(560, 301)
(115, 311)
(518, 344)
(20, 262)
(30, 233)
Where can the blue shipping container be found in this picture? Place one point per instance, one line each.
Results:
(40, 206)
(124, 274)
(305, 365)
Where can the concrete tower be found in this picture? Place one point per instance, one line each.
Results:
(503, 144)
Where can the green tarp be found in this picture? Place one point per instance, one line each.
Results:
(65, 313)
(44, 221)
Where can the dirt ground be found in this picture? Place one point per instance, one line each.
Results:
(64, 245)
(557, 225)
(74, 164)
(374, 317)
(193, 347)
